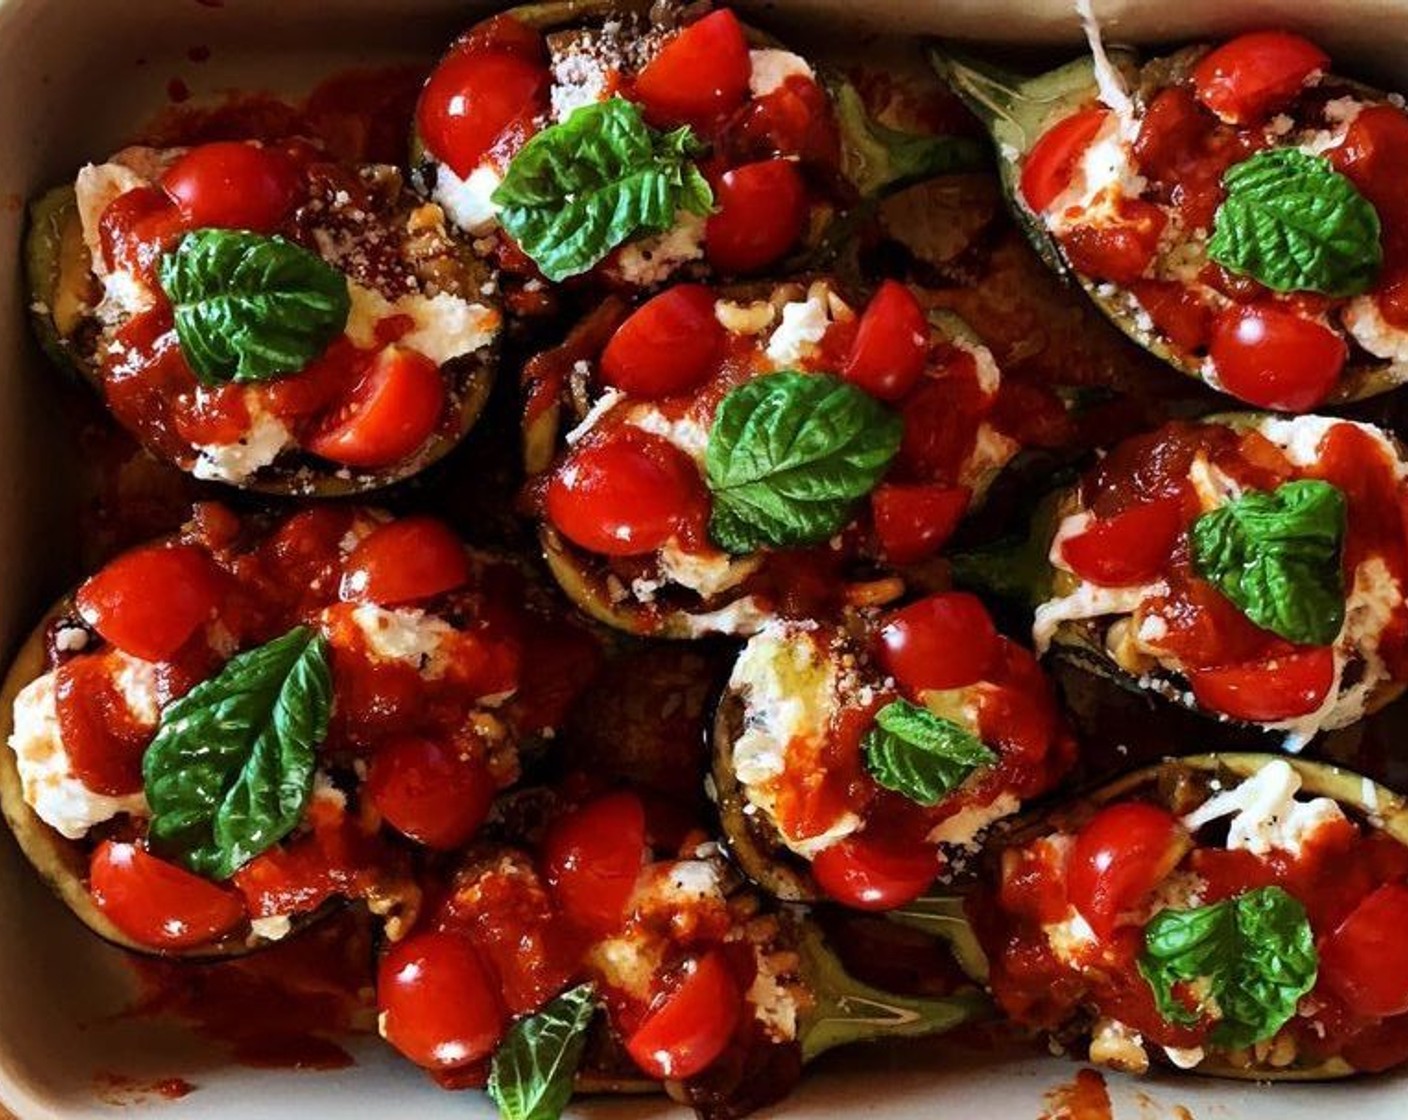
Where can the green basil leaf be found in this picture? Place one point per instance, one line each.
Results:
(250, 307)
(601, 177)
(533, 1068)
(230, 771)
(1277, 557)
(789, 455)
(1295, 224)
(1253, 956)
(914, 752)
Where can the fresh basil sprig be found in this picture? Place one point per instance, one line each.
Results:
(1255, 953)
(601, 177)
(924, 756)
(250, 307)
(230, 770)
(533, 1068)
(1295, 224)
(789, 455)
(1277, 557)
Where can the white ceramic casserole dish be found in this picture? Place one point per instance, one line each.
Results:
(74, 78)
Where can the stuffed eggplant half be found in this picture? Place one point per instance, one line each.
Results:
(1251, 566)
(1236, 209)
(264, 316)
(1235, 915)
(635, 140)
(611, 959)
(222, 732)
(713, 460)
(862, 762)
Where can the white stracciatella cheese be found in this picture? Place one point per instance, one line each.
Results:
(49, 785)
(406, 635)
(653, 259)
(1365, 321)
(788, 684)
(771, 68)
(468, 203)
(804, 324)
(445, 327)
(1265, 814)
(266, 439)
(1087, 601)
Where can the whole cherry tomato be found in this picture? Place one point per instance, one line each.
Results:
(684, 1033)
(940, 642)
(671, 344)
(627, 495)
(593, 857)
(440, 1005)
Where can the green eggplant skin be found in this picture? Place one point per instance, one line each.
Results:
(1017, 110)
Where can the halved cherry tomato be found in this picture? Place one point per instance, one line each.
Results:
(1247, 79)
(913, 522)
(671, 344)
(233, 185)
(472, 98)
(866, 876)
(887, 358)
(685, 1032)
(440, 1005)
(1049, 167)
(942, 641)
(700, 76)
(392, 411)
(429, 791)
(592, 858)
(148, 601)
(406, 560)
(626, 496)
(1365, 961)
(156, 903)
(760, 212)
(1122, 854)
(1267, 691)
(1130, 547)
(1275, 358)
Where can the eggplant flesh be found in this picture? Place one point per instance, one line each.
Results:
(58, 270)
(63, 863)
(1017, 110)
